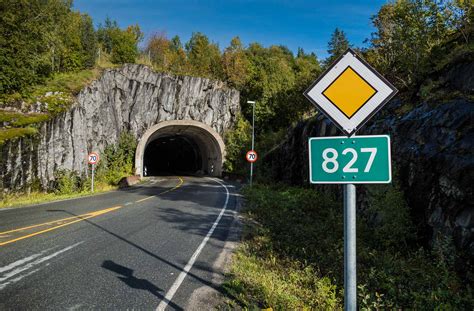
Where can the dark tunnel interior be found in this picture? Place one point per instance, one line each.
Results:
(172, 155)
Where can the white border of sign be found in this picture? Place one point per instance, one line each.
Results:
(351, 181)
(384, 92)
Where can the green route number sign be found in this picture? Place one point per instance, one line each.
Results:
(350, 160)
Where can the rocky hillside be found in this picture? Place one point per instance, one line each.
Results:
(131, 98)
(432, 151)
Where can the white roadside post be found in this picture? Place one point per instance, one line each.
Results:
(349, 93)
(93, 159)
(253, 137)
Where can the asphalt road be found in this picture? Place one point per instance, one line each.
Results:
(148, 247)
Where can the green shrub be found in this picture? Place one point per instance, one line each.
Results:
(118, 160)
(292, 230)
(67, 182)
(238, 142)
(11, 133)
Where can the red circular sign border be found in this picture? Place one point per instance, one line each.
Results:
(256, 156)
(93, 153)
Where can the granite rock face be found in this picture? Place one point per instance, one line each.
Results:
(131, 98)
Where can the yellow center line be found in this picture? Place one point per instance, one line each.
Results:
(81, 218)
(78, 218)
(39, 225)
(181, 181)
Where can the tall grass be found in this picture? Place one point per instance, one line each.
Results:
(291, 257)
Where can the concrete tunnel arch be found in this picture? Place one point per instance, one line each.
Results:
(206, 141)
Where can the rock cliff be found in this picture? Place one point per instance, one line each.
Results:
(131, 98)
(432, 152)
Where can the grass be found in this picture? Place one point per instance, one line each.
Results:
(36, 197)
(291, 256)
(13, 118)
(60, 89)
(11, 133)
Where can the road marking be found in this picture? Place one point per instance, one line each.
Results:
(38, 225)
(22, 261)
(77, 218)
(81, 218)
(30, 265)
(181, 181)
(177, 283)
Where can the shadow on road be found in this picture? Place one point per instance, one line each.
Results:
(126, 276)
(128, 273)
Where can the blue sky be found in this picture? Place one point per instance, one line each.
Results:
(306, 24)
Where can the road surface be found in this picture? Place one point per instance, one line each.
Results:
(148, 247)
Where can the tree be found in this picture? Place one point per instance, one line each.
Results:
(124, 47)
(121, 44)
(337, 45)
(39, 38)
(105, 34)
(88, 41)
(204, 57)
(235, 63)
(158, 49)
(407, 31)
(178, 63)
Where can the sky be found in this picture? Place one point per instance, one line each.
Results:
(293, 23)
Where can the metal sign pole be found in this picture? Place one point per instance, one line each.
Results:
(253, 137)
(350, 272)
(92, 184)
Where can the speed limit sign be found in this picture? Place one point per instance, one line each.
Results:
(251, 156)
(93, 158)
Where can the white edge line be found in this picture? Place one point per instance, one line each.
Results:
(177, 283)
(30, 265)
(22, 261)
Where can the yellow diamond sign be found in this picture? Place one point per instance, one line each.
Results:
(350, 92)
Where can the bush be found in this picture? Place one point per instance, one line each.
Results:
(237, 141)
(118, 160)
(294, 230)
(67, 182)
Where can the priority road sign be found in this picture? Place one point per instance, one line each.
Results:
(354, 160)
(350, 92)
(93, 158)
(251, 156)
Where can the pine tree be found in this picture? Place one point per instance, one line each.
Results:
(336, 46)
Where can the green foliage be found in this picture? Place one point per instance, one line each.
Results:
(235, 64)
(204, 57)
(11, 118)
(12, 133)
(124, 48)
(292, 230)
(118, 160)
(39, 38)
(388, 219)
(56, 102)
(67, 182)
(120, 44)
(416, 27)
(337, 45)
(236, 141)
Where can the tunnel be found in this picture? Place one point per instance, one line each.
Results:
(179, 147)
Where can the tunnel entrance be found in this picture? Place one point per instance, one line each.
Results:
(180, 147)
(172, 155)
